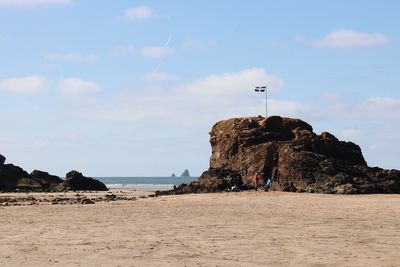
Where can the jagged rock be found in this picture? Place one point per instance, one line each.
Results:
(288, 151)
(14, 177)
(46, 180)
(185, 173)
(76, 181)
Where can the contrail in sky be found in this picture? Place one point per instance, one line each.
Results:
(168, 40)
(165, 46)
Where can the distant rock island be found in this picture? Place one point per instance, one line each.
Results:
(173, 175)
(14, 178)
(292, 155)
(185, 173)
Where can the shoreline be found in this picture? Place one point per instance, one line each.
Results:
(140, 192)
(142, 187)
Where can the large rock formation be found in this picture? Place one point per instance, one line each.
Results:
(185, 173)
(46, 180)
(15, 178)
(288, 151)
(76, 181)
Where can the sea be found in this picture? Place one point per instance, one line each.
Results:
(146, 183)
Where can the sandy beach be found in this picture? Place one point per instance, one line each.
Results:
(224, 229)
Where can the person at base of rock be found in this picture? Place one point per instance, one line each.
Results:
(267, 185)
(238, 182)
(256, 179)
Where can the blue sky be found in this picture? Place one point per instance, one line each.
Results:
(132, 88)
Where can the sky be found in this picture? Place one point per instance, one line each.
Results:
(132, 88)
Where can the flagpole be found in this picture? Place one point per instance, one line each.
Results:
(262, 89)
(266, 103)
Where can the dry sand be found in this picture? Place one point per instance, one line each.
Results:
(229, 229)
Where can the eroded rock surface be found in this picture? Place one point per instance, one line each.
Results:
(288, 151)
(12, 176)
(46, 180)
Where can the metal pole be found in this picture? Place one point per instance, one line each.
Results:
(266, 103)
(262, 89)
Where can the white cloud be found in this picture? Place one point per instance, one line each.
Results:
(231, 84)
(24, 85)
(70, 57)
(343, 39)
(383, 102)
(372, 108)
(379, 107)
(160, 76)
(288, 108)
(75, 87)
(33, 3)
(156, 51)
(367, 111)
(139, 13)
(203, 100)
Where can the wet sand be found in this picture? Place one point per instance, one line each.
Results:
(227, 229)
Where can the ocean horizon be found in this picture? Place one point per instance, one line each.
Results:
(145, 182)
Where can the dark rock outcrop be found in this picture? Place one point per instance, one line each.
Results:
(76, 181)
(2, 160)
(185, 173)
(46, 180)
(288, 151)
(15, 178)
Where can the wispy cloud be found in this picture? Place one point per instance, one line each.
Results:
(70, 57)
(73, 87)
(24, 85)
(156, 51)
(159, 76)
(380, 107)
(33, 3)
(139, 13)
(346, 39)
(371, 108)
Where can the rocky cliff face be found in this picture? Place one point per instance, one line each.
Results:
(288, 151)
(15, 178)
